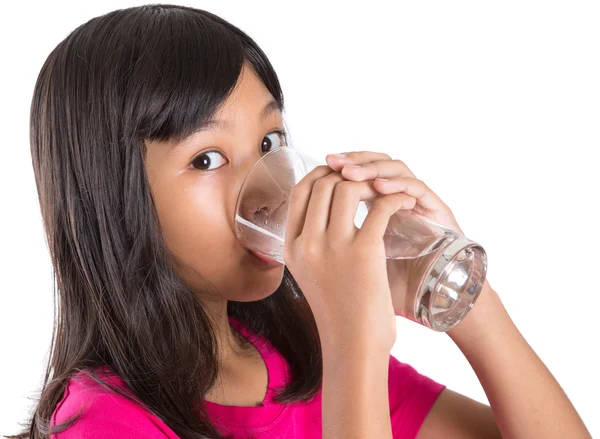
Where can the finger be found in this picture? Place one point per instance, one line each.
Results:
(376, 169)
(336, 162)
(376, 222)
(298, 201)
(319, 205)
(411, 186)
(344, 205)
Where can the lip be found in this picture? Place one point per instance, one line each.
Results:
(264, 261)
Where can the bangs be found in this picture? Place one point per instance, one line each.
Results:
(186, 67)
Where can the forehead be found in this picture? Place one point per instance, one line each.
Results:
(227, 123)
(249, 96)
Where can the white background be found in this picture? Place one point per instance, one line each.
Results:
(496, 106)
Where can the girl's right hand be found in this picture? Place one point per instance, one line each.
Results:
(342, 269)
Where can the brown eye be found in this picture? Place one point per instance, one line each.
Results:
(276, 141)
(208, 161)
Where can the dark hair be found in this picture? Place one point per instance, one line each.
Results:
(149, 72)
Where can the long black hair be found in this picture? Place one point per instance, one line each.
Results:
(149, 72)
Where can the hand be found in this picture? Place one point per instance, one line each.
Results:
(322, 249)
(394, 177)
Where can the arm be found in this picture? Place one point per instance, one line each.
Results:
(355, 400)
(526, 401)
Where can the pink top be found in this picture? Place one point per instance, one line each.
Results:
(108, 415)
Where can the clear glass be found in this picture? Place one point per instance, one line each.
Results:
(455, 267)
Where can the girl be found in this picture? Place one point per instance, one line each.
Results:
(144, 123)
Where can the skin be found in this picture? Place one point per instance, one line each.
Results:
(196, 209)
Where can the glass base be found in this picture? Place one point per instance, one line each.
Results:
(452, 285)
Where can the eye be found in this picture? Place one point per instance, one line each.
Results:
(211, 160)
(278, 141)
(207, 160)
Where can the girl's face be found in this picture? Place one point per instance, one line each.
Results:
(195, 185)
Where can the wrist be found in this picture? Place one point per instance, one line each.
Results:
(486, 317)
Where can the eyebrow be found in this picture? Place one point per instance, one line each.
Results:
(210, 124)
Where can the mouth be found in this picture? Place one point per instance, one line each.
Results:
(263, 261)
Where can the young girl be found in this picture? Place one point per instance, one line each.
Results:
(144, 123)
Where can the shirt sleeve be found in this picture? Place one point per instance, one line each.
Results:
(411, 396)
(106, 416)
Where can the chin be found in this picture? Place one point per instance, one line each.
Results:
(258, 286)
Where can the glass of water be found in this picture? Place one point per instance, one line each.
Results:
(445, 290)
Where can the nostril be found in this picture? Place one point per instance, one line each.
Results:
(262, 211)
(268, 210)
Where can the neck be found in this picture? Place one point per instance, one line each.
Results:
(228, 341)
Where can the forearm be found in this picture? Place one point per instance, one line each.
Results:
(355, 400)
(524, 396)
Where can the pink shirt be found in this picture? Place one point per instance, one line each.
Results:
(108, 415)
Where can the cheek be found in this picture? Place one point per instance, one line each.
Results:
(196, 227)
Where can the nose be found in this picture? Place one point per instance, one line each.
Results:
(263, 194)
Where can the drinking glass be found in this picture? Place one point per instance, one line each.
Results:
(446, 289)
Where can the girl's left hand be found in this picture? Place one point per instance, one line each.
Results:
(391, 176)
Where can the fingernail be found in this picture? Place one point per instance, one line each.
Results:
(341, 155)
(383, 179)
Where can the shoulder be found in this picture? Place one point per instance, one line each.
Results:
(411, 397)
(104, 413)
